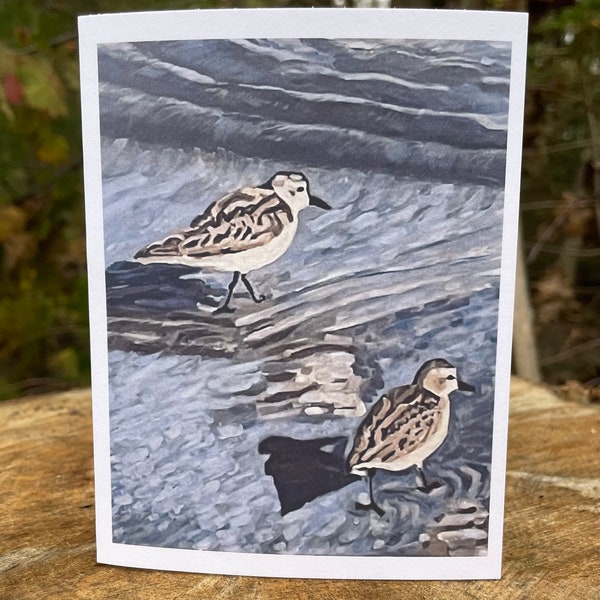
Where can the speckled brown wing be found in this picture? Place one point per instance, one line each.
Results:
(401, 420)
(238, 222)
(369, 436)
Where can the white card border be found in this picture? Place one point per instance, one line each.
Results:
(307, 23)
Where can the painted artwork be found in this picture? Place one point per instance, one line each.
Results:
(302, 259)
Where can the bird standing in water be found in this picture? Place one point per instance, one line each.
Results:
(243, 231)
(405, 426)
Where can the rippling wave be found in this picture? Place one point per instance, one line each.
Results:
(323, 102)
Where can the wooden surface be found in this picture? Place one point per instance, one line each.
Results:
(47, 550)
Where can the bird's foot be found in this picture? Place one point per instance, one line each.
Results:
(370, 506)
(258, 298)
(223, 310)
(429, 487)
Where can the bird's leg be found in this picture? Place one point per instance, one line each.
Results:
(257, 299)
(426, 487)
(225, 306)
(372, 504)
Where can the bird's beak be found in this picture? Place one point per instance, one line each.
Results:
(465, 387)
(314, 201)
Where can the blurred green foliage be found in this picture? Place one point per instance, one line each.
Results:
(560, 197)
(43, 300)
(563, 101)
(43, 306)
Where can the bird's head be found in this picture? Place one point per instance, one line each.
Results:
(439, 377)
(293, 189)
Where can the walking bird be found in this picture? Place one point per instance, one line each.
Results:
(241, 232)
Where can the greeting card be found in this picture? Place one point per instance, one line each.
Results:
(302, 234)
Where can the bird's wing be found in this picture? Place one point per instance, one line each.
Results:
(369, 434)
(245, 219)
(421, 419)
(398, 421)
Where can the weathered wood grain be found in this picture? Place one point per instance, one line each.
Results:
(47, 550)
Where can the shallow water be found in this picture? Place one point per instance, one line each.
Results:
(406, 142)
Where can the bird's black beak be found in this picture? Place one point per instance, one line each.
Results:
(314, 201)
(465, 387)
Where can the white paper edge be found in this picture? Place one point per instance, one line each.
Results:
(507, 286)
(307, 23)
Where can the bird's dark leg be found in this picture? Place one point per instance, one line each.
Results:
(257, 299)
(372, 504)
(225, 306)
(426, 487)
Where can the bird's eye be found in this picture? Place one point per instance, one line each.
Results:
(450, 377)
(300, 189)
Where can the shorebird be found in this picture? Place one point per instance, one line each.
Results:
(405, 426)
(243, 231)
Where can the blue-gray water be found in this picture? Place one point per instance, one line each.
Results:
(406, 140)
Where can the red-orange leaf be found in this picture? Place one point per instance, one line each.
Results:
(13, 90)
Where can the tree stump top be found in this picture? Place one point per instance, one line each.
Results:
(47, 548)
